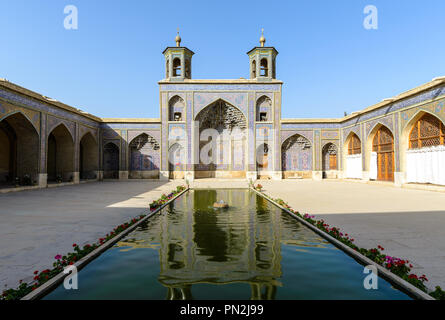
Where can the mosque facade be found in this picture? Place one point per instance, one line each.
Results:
(228, 129)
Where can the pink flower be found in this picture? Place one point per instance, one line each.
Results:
(58, 257)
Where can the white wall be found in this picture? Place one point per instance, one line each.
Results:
(354, 166)
(426, 165)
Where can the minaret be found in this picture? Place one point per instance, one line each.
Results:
(178, 61)
(262, 61)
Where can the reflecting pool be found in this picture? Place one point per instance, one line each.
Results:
(252, 250)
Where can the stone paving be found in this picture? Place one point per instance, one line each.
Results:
(407, 223)
(37, 225)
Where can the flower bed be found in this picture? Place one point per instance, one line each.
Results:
(41, 277)
(399, 267)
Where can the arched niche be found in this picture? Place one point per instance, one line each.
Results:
(352, 157)
(144, 157)
(264, 109)
(380, 153)
(222, 141)
(296, 157)
(60, 155)
(329, 160)
(88, 157)
(176, 107)
(422, 149)
(19, 146)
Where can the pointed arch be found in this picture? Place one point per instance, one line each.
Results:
(176, 107)
(353, 144)
(376, 127)
(422, 149)
(58, 124)
(329, 159)
(19, 145)
(352, 157)
(23, 115)
(296, 157)
(217, 99)
(89, 131)
(263, 108)
(144, 157)
(60, 155)
(88, 157)
(380, 153)
(222, 128)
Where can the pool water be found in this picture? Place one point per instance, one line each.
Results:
(252, 250)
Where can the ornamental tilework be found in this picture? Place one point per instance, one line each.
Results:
(276, 151)
(264, 133)
(386, 121)
(164, 143)
(428, 95)
(397, 143)
(154, 126)
(204, 99)
(288, 133)
(347, 131)
(250, 135)
(144, 153)
(43, 146)
(124, 150)
(189, 131)
(152, 133)
(7, 109)
(177, 132)
(111, 134)
(260, 94)
(317, 149)
(330, 135)
(83, 130)
(220, 87)
(179, 94)
(53, 122)
(27, 102)
(296, 154)
(437, 108)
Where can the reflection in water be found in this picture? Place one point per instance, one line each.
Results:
(219, 246)
(250, 250)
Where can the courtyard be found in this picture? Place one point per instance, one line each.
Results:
(37, 225)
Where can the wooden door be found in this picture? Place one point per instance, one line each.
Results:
(332, 162)
(383, 145)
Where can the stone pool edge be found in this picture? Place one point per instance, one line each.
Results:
(49, 286)
(407, 287)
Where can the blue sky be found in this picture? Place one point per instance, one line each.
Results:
(328, 61)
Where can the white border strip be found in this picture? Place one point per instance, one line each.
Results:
(407, 287)
(49, 286)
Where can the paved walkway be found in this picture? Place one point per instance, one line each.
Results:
(37, 225)
(407, 223)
